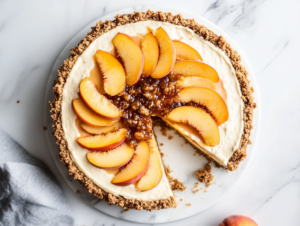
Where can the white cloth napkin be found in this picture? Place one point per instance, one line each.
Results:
(29, 194)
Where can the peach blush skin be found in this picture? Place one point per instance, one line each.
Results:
(238, 220)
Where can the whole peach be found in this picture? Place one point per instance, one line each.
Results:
(238, 220)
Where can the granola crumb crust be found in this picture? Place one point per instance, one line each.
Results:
(103, 27)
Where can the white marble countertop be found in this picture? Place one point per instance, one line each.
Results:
(33, 32)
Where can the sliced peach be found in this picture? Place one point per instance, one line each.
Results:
(136, 168)
(191, 68)
(132, 57)
(90, 117)
(195, 81)
(207, 98)
(198, 119)
(113, 73)
(103, 142)
(186, 52)
(98, 102)
(149, 47)
(167, 54)
(100, 130)
(112, 159)
(155, 172)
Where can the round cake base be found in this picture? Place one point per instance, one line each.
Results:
(174, 150)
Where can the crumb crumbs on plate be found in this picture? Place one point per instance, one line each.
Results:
(125, 210)
(204, 175)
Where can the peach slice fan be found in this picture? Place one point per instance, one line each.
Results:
(103, 142)
(167, 54)
(112, 159)
(131, 56)
(136, 168)
(198, 119)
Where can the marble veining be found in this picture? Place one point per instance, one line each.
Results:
(33, 33)
(275, 57)
(242, 13)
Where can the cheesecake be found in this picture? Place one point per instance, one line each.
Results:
(131, 71)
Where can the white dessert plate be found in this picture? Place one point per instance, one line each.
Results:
(178, 155)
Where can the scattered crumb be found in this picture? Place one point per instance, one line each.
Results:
(228, 171)
(220, 185)
(18, 101)
(168, 170)
(204, 175)
(197, 153)
(181, 145)
(163, 126)
(163, 131)
(44, 128)
(200, 189)
(188, 204)
(162, 154)
(71, 180)
(176, 185)
(161, 144)
(78, 192)
(125, 210)
(196, 184)
(180, 199)
(170, 137)
(191, 37)
(205, 190)
(217, 165)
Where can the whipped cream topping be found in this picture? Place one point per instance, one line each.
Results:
(230, 131)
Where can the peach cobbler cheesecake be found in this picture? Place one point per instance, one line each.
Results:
(126, 74)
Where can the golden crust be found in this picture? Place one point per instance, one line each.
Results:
(103, 27)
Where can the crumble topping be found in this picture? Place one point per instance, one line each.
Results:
(103, 27)
(146, 98)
